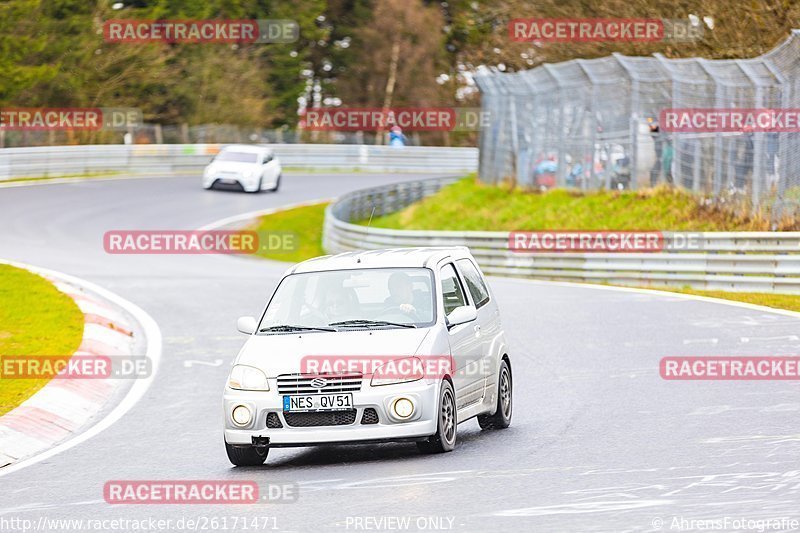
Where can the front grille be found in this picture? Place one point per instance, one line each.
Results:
(273, 421)
(328, 418)
(301, 383)
(218, 184)
(370, 416)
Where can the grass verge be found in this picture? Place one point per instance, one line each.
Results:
(87, 175)
(469, 205)
(789, 302)
(35, 319)
(305, 222)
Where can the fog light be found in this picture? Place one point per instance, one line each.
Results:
(403, 407)
(241, 415)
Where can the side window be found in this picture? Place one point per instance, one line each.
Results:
(266, 159)
(452, 293)
(475, 285)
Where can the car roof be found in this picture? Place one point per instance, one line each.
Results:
(385, 258)
(247, 148)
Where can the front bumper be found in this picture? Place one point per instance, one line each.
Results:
(232, 182)
(422, 423)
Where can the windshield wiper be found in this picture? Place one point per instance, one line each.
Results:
(288, 327)
(347, 323)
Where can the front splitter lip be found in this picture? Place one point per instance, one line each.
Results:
(352, 434)
(347, 442)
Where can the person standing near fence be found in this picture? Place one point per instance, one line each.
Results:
(667, 155)
(744, 161)
(655, 133)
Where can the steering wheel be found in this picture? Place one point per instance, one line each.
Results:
(399, 310)
(315, 314)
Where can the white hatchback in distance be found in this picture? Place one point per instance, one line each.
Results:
(396, 309)
(248, 167)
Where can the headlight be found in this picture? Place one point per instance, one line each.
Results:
(398, 371)
(245, 377)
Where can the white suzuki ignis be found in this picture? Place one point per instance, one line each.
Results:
(376, 346)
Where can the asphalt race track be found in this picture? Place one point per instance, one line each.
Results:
(599, 442)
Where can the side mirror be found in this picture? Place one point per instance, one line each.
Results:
(461, 315)
(246, 324)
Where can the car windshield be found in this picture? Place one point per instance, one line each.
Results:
(238, 157)
(344, 299)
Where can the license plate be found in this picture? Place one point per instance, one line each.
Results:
(317, 402)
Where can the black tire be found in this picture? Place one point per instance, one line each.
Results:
(501, 419)
(444, 440)
(277, 184)
(246, 455)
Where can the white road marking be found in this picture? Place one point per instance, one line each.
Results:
(767, 339)
(781, 408)
(46, 506)
(678, 296)
(713, 340)
(191, 362)
(243, 217)
(581, 508)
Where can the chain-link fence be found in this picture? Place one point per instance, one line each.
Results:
(594, 124)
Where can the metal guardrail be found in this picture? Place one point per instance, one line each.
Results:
(732, 261)
(188, 158)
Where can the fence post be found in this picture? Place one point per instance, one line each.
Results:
(514, 137)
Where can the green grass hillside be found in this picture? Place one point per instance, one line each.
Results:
(471, 205)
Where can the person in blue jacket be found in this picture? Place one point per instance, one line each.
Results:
(396, 137)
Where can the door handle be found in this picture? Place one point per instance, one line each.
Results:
(477, 329)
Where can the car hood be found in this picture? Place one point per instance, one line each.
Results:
(282, 354)
(232, 166)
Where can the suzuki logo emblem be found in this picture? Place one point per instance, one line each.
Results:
(318, 383)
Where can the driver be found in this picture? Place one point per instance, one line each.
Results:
(400, 293)
(336, 304)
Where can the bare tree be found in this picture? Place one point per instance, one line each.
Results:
(399, 56)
